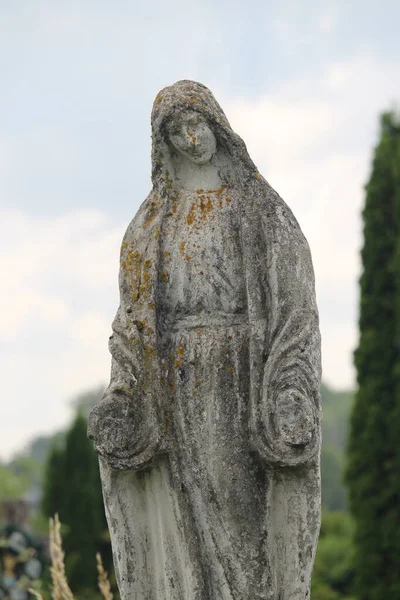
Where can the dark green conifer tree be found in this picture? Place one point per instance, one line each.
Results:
(73, 489)
(373, 472)
(53, 490)
(83, 512)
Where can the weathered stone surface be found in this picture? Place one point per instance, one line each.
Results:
(209, 433)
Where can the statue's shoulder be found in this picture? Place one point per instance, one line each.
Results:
(272, 209)
(138, 220)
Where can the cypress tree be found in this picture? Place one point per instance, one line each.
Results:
(53, 491)
(373, 472)
(83, 512)
(73, 489)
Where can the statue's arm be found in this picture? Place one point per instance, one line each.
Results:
(286, 418)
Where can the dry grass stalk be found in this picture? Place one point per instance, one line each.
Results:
(60, 590)
(35, 593)
(104, 584)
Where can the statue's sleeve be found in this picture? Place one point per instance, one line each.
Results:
(124, 424)
(125, 342)
(286, 410)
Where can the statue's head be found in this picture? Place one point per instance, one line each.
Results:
(190, 134)
(186, 118)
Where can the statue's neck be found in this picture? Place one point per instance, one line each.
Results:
(190, 176)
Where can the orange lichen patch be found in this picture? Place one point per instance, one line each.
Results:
(149, 351)
(130, 265)
(217, 192)
(228, 200)
(124, 245)
(230, 369)
(166, 253)
(130, 258)
(192, 215)
(194, 393)
(146, 276)
(157, 234)
(144, 291)
(148, 221)
(158, 99)
(174, 207)
(147, 263)
(172, 386)
(164, 366)
(151, 305)
(190, 100)
(229, 337)
(164, 276)
(200, 191)
(258, 176)
(198, 331)
(182, 251)
(197, 383)
(178, 363)
(144, 388)
(181, 351)
(148, 356)
(206, 206)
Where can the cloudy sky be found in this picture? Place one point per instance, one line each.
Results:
(302, 82)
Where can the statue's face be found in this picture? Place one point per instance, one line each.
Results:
(190, 135)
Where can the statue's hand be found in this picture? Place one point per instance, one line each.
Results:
(122, 434)
(294, 420)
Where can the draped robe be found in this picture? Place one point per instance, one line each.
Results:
(217, 329)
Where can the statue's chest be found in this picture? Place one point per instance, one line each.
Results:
(202, 267)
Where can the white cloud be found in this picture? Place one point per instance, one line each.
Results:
(327, 19)
(56, 308)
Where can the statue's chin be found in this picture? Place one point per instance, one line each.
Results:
(202, 160)
(197, 158)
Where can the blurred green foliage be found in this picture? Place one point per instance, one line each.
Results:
(333, 572)
(336, 411)
(11, 485)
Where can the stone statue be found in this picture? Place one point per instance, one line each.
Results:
(209, 432)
